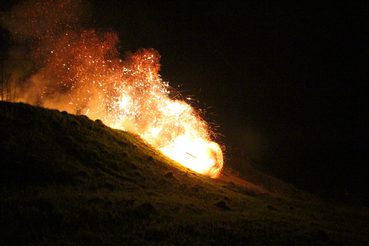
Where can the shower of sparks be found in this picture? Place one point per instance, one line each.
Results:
(80, 71)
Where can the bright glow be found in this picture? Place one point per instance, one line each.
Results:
(84, 75)
(81, 71)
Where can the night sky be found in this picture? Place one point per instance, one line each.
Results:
(286, 85)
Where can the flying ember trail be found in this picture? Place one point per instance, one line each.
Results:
(80, 71)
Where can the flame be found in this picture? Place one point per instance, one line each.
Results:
(81, 72)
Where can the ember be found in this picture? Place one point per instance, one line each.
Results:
(80, 71)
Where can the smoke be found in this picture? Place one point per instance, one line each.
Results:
(69, 66)
(54, 57)
(34, 27)
(43, 20)
(59, 61)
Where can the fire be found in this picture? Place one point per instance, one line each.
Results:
(81, 72)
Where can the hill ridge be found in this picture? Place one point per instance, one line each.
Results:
(66, 179)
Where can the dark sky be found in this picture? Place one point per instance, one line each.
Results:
(285, 84)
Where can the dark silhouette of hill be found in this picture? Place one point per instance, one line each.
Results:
(68, 180)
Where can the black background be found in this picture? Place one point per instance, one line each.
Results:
(285, 84)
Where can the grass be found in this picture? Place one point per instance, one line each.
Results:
(68, 180)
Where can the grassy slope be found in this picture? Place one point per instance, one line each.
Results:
(68, 180)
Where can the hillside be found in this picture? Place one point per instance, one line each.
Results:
(68, 180)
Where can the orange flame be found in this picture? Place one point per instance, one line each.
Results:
(80, 71)
(83, 74)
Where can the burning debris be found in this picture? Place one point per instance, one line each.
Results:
(80, 71)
